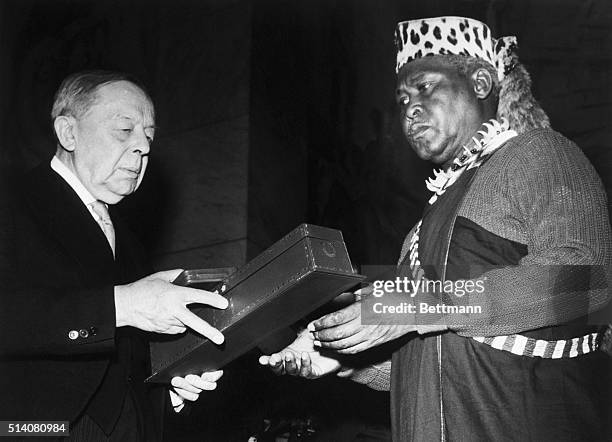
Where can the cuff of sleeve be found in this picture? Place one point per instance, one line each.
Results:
(376, 376)
(177, 402)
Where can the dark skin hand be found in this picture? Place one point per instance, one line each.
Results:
(343, 331)
(340, 332)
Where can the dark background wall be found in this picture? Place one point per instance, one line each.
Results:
(276, 112)
(195, 59)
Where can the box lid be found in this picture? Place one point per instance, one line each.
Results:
(300, 232)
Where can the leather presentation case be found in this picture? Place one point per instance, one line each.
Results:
(295, 276)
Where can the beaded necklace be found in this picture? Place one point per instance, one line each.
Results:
(493, 135)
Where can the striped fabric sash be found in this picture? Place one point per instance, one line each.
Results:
(524, 346)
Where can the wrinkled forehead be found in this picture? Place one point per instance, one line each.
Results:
(126, 96)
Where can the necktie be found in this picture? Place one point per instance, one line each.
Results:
(105, 222)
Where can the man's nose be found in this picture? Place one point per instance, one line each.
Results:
(414, 110)
(142, 144)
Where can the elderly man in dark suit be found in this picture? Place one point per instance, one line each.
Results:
(76, 301)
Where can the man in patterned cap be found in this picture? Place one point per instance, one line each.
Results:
(518, 211)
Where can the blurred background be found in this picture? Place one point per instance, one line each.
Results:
(272, 113)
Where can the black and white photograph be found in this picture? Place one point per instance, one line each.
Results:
(305, 220)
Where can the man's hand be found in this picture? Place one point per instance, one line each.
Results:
(343, 331)
(154, 304)
(190, 387)
(301, 359)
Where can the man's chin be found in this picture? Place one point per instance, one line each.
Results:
(425, 153)
(422, 152)
(113, 196)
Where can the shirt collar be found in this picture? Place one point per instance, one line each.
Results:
(62, 170)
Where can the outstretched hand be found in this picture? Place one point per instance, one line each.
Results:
(301, 359)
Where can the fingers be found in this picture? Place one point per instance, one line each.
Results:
(344, 344)
(276, 364)
(283, 363)
(344, 299)
(347, 314)
(212, 376)
(305, 365)
(200, 326)
(190, 387)
(193, 296)
(186, 394)
(367, 290)
(291, 364)
(167, 275)
(183, 384)
(181, 296)
(295, 364)
(364, 291)
(362, 346)
(200, 383)
(175, 330)
(342, 331)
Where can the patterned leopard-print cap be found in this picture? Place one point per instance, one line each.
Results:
(453, 35)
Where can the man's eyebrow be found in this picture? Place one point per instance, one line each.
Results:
(416, 77)
(410, 80)
(127, 117)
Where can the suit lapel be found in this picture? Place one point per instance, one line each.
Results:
(61, 212)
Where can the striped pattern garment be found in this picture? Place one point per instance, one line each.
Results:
(524, 346)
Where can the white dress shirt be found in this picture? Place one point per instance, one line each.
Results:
(62, 170)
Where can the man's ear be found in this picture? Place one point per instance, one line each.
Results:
(64, 130)
(482, 82)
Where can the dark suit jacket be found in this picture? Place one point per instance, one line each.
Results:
(56, 276)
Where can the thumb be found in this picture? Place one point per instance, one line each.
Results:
(167, 275)
(367, 290)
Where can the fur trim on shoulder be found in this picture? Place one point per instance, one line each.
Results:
(517, 104)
